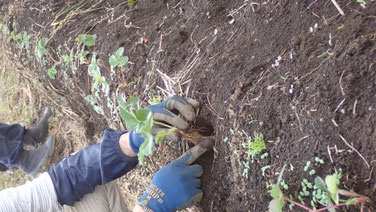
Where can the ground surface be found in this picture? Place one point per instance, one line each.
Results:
(296, 71)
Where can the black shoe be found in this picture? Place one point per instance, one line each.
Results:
(31, 161)
(38, 133)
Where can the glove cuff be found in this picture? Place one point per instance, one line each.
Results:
(135, 141)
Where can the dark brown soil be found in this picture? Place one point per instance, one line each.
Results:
(254, 66)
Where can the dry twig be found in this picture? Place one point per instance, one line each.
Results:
(351, 147)
(340, 83)
(338, 7)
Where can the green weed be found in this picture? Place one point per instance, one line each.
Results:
(117, 59)
(14, 36)
(40, 48)
(51, 72)
(325, 193)
(254, 145)
(87, 39)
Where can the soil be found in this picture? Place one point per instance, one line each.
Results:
(296, 71)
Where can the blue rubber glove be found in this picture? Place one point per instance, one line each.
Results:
(163, 112)
(173, 187)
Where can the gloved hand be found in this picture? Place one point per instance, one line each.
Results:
(163, 112)
(175, 186)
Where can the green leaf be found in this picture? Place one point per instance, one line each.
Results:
(276, 205)
(141, 157)
(332, 182)
(40, 49)
(149, 144)
(81, 38)
(142, 114)
(161, 135)
(123, 61)
(122, 102)
(320, 184)
(129, 119)
(131, 2)
(119, 52)
(51, 72)
(276, 191)
(148, 124)
(87, 39)
(133, 102)
(113, 61)
(90, 40)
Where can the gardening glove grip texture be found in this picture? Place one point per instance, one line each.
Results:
(173, 187)
(162, 112)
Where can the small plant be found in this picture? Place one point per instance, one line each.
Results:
(40, 48)
(319, 160)
(141, 121)
(131, 2)
(324, 193)
(254, 145)
(308, 163)
(94, 103)
(87, 39)
(25, 42)
(51, 72)
(14, 36)
(362, 3)
(99, 80)
(117, 59)
(154, 99)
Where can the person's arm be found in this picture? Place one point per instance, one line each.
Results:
(98, 164)
(40, 195)
(36, 195)
(78, 174)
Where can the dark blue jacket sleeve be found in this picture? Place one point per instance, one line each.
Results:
(98, 164)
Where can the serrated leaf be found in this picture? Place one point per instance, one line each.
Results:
(113, 61)
(148, 124)
(320, 184)
(133, 102)
(141, 157)
(147, 147)
(129, 119)
(122, 102)
(276, 205)
(142, 114)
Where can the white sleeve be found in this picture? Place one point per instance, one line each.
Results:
(36, 195)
